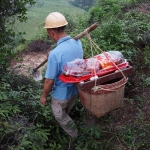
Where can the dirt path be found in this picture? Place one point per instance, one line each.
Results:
(29, 61)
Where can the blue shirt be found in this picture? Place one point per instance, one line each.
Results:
(67, 49)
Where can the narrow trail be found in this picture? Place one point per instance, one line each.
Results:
(36, 52)
(27, 61)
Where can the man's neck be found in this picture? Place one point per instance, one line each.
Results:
(61, 35)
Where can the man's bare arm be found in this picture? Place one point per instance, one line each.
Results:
(48, 84)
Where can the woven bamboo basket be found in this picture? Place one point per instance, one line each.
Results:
(107, 98)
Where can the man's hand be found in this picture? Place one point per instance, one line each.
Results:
(48, 84)
(43, 100)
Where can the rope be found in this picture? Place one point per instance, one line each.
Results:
(89, 37)
(96, 88)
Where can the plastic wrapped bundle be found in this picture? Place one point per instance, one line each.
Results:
(92, 65)
(81, 67)
(76, 67)
(108, 59)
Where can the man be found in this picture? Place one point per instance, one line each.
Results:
(64, 95)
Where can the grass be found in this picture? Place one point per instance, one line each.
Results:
(37, 14)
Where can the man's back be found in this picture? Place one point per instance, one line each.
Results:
(67, 49)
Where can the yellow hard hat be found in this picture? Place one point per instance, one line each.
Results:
(55, 20)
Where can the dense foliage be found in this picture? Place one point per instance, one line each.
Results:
(84, 4)
(128, 32)
(26, 124)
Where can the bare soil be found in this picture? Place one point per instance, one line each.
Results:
(26, 61)
(144, 8)
(29, 61)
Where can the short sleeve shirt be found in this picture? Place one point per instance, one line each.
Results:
(67, 49)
